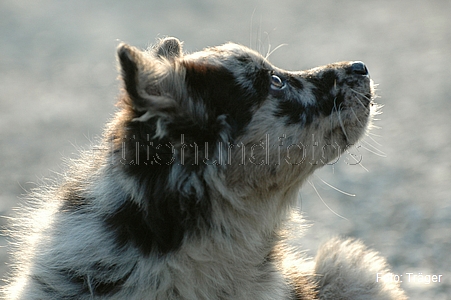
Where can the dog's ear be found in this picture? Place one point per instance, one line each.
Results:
(169, 48)
(150, 82)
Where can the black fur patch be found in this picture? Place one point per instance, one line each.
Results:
(325, 91)
(165, 217)
(327, 98)
(218, 89)
(294, 82)
(132, 227)
(162, 225)
(296, 112)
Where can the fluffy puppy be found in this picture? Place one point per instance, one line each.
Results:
(195, 176)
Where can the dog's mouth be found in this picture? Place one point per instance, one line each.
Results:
(346, 102)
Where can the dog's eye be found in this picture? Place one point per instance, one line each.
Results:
(277, 83)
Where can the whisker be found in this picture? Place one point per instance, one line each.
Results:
(375, 151)
(269, 44)
(340, 120)
(258, 42)
(325, 204)
(335, 188)
(300, 200)
(372, 146)
(359, 162)
(358, 120)
(369, 135)
(361, 94)
(334, 109)
(360, 101)
(373, 134)
(271, 52)
(251, 28)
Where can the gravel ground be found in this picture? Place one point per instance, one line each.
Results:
(58, 86)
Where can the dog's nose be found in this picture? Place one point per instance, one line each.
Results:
(359, 68)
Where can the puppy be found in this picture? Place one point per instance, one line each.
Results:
(194, 180)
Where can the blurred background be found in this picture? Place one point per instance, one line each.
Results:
(58, 84)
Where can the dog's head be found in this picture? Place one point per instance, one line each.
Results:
(227, 106)
(224, 120)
